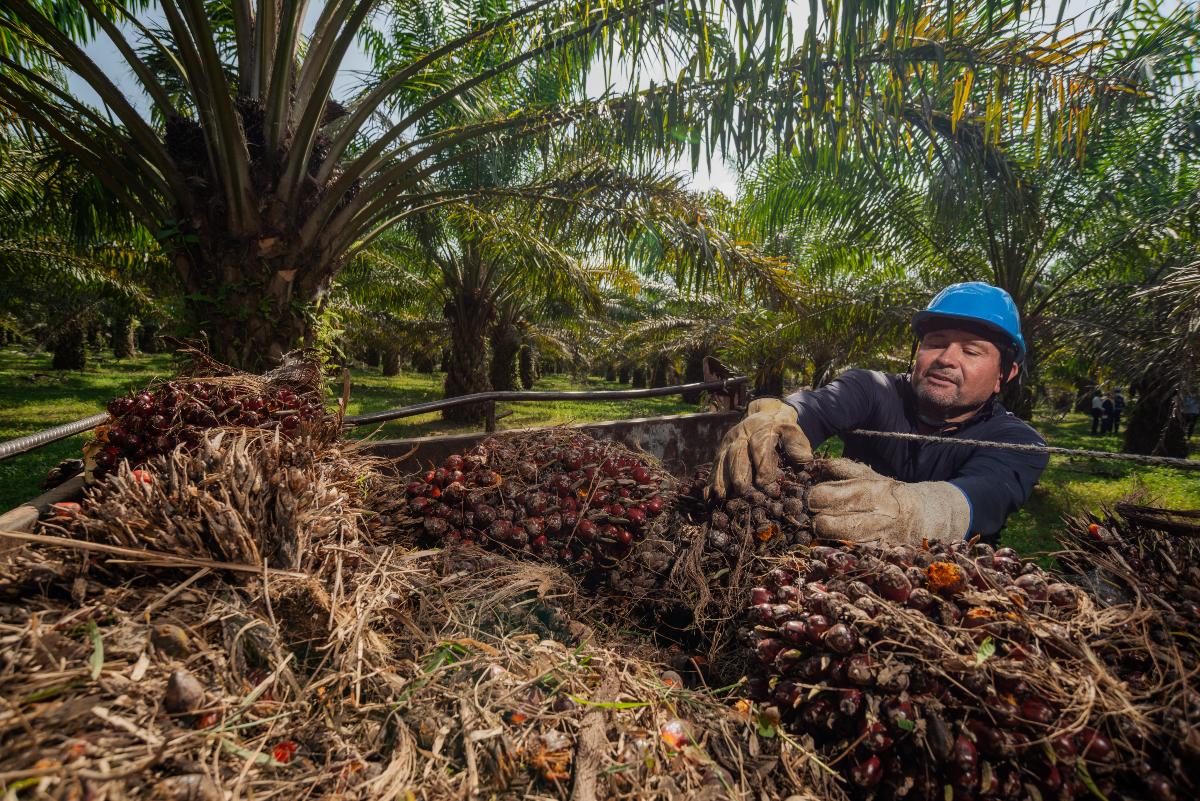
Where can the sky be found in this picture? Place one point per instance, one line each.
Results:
(721, 176)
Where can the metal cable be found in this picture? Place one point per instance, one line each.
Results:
(1137, 458)
(32, 441)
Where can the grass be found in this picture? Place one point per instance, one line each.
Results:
(33, 397)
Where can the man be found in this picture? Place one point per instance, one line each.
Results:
(969, 346)
(1118, 410)
(1097, 411)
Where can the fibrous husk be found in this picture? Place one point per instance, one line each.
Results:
(380, 671)
(239, 495)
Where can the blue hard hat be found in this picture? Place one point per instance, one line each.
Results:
(978, 304)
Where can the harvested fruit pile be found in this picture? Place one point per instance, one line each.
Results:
(559, 496)
(1150, 557)
(947, 672)
(157, 419)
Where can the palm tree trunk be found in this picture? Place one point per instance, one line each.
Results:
(528, 366)
(70, 348)
(254, 302)
(390, 361)
(506, 342)
(469, 316)
(1154, 427)
(147, 338)
(693, 372)
(123, 344)
(640, 374)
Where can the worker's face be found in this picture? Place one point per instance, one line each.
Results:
(955, 372)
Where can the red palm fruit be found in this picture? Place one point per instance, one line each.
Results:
(841, 562)
(816, 570)
(822, 552)
(818, 625)
(453, 462)
(118, 407)
(654, 506)
(418, 504)
(922, 600)
(867, 773)
(1159, 786)
(640, 475)
(436, 526)
(1062, 596)
(534, 526)
(586, 530)
(1051, 779)
(850, 703)
(761, 595)
(414, 488)
(860, 670)
(761, 614)
(788, 661)
(636, 516)
(1007, 553)
(1033, 585)
(899, 713)
(817, 715)
(553, 523)
(615, 509)
(1035, 710)
(869, 605)
(537, 542)
(840, 639)
(441, 477)
(794, 632)
(289, 423)
(624, 538)
(1003, 709)
(876, 738)
(894, 585)
(965, 757)
(767, 649)
(484, 515)
(788, 594)
(1095, 747)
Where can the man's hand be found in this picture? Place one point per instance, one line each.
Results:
(748, 454)
(863, 506)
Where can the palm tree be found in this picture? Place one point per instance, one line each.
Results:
(68, 253)
(261, 186)
(983, 196)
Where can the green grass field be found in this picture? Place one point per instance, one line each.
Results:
(33, 397)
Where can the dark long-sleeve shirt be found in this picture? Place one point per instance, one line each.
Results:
(995, 482)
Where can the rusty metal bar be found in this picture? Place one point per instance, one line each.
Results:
(33, 441)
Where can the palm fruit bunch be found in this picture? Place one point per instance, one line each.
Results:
(155, 420)
(559, 496)
(938, 672)
(772, 517)
(1148, 559)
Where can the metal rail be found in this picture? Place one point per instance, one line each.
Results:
(573, 395)
(31, 442)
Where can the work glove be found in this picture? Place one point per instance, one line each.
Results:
(748, 452)
(859, 505)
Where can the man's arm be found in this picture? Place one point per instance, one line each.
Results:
(998, 483)
(846, 403)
